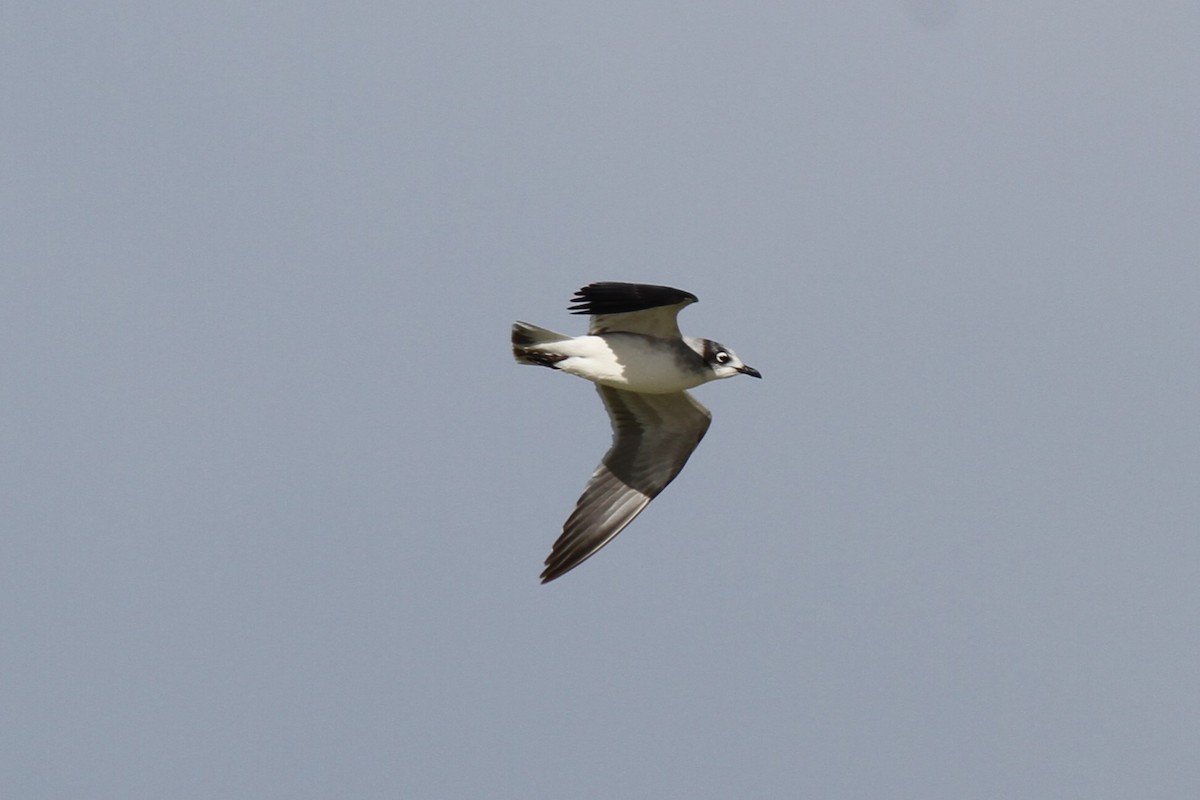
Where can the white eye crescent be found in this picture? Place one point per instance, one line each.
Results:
(722, 357)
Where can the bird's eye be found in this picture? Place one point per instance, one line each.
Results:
(722, 357)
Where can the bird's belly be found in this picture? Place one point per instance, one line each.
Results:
(631, 362)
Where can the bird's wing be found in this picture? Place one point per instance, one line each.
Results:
(653, 436)
(632, 307)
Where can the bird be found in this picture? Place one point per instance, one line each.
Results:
(642, 367)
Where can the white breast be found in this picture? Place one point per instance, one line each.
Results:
(632, 361)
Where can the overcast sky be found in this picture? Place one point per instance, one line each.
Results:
(276, 497)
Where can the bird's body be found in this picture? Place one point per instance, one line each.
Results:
(641, 366)
(634, 362)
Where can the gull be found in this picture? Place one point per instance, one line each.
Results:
(642, 366)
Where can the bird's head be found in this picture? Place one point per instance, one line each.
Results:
(721, 360)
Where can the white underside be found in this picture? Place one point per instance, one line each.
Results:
(628, 361)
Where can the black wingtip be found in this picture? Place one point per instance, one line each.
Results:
(611, 297)
(556, 568)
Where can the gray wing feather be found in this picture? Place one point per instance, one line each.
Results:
(653, 436)
(632, 307)
(662, 322)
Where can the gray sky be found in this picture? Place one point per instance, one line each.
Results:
(276, 497)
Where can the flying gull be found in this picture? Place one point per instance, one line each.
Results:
(641, 365)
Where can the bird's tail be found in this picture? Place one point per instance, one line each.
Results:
(528, 345)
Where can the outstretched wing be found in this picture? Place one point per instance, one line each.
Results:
(632, 307)
(653, 436)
